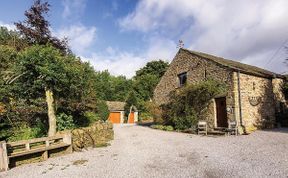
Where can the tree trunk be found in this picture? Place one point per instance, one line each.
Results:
(51, 112)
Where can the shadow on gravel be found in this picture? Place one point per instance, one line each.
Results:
(279, 130)
(145, 124)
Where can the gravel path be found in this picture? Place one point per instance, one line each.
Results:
(143, 152)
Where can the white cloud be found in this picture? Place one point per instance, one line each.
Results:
(161, 48)
(245, 30)
(8, 26)
(116, 62)
(80, 37)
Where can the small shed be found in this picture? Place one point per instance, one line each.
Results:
(116, 109)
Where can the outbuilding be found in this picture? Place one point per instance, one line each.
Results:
(117, 112)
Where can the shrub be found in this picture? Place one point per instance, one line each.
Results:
(91, 117)
(24, 133)
(64, 122)
(155, 111)
(189, 104)
(168, 128)
(157, 126)
(102, 110)
(162, 127)
(145, 116)
(185, 122)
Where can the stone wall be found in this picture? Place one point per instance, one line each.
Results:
(257, 102)
(96, 135)
(198, 69)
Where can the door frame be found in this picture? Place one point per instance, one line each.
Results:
(215, 111)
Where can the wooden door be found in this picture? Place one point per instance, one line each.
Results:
(221, 113)
(131, 118)
(115, 117)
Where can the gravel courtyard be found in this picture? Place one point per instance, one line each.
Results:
(143, 152)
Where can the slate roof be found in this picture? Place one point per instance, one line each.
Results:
(237, 66)
(115, 105)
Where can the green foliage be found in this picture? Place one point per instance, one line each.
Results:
(102, 110)
(12, 39)
(185, 122)
(146, 80)
(155, 111)
(158, 126)
(25, 132)
(189, 104)
(168, 128)
(42, 67)
(32, 60)
(156, 68)
(64, 122)
(111, 88)
(91, 116)
(132, 100)
(162, 127)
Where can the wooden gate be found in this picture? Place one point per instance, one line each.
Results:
(131, 118)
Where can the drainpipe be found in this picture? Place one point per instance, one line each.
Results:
(239, 101)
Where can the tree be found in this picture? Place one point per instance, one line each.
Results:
(157, 68)
(45, 71)
(36, 28)
(146, 80)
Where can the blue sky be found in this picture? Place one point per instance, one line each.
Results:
(122, 35)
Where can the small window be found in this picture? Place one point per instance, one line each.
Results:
(182, 79)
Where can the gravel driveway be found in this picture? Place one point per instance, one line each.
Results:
(143, 152)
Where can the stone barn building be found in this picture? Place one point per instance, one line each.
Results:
(253, 97)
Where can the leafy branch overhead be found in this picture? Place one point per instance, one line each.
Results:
(36, 28)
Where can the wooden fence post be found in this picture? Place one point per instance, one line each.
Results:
(3, 157)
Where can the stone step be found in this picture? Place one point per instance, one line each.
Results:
(220, 129)
(216, 132)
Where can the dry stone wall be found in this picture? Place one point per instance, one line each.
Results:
(96, 135)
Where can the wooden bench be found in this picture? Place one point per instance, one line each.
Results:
(28, 147)
(202, 127)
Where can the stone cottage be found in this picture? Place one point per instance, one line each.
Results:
(253, 97)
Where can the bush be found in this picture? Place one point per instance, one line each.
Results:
(91, 117)
(24, 133)
(145, 116)
(102, 110)
(155, 111)
(168, 128)
(158, 126)
(64, 122)
(186, 122)
(162, 127)
(189, 104)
